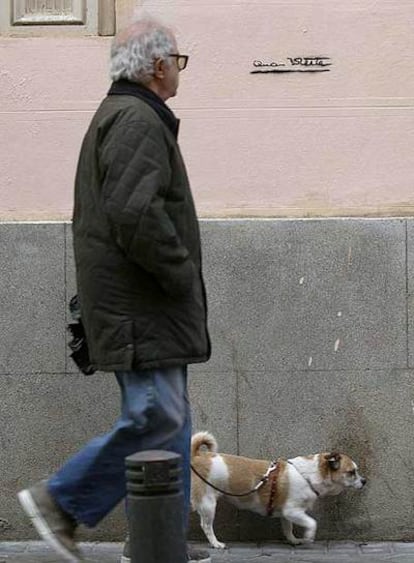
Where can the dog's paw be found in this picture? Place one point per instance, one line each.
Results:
(219, 545)
(307, 541)
(300, 541)
(295, 541)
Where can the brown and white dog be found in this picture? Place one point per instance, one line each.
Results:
(291, 489)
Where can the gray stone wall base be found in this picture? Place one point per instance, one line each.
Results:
(312, 331)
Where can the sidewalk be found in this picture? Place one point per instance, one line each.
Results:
(320, 552)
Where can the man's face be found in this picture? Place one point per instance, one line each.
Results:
(171, 78)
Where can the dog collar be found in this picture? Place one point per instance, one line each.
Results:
(273, 472)
(306, 479)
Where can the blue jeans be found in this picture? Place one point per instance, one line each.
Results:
(155, 415)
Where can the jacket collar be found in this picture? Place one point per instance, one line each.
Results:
(126, 88)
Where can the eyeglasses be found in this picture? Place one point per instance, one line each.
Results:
(182, 60)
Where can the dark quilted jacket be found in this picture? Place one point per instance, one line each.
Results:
(136, 239)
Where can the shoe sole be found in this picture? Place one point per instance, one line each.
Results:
(29, 506)
(125, 559)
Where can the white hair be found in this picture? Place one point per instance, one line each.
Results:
(135, 48)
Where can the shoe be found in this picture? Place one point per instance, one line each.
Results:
(193, 555)
(53, 524)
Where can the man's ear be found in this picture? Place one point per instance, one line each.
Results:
(159, 69)
(334, 460)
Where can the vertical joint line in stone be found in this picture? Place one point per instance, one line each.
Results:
(407, 319)
(65, 289)
(237, 412)
(238, 515)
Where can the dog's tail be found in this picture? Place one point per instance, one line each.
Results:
(203, 439)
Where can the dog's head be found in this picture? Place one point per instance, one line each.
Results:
(341, 470)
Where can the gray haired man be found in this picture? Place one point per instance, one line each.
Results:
(140, 285)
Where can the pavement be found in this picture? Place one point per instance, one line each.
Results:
(319, 552)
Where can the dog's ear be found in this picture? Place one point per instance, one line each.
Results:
(334, 460)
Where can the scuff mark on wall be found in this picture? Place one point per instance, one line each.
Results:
(350, 257)
(4, 524)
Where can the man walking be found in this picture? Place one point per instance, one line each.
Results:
(140, 286)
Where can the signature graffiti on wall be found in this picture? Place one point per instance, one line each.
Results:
(292, 64)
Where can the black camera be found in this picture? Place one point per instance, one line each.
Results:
(78, 344)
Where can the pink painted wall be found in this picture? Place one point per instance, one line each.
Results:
(48, 91)
(297, 144)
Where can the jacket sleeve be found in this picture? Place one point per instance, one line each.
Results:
(136, 173)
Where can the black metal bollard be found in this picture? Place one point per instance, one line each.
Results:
(155, 507)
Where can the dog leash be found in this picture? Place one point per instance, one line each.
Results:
(272, 467)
